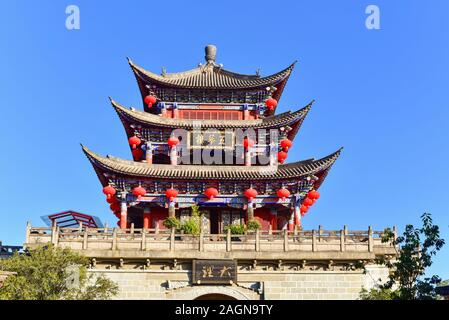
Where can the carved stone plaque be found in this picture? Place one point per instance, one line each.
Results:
(214, 272)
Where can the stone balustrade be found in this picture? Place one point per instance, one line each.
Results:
(298, 244)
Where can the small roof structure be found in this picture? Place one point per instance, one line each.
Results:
(72, 219)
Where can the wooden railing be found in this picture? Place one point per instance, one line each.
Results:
(168, 240)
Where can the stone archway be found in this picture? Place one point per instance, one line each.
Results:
(213, 293)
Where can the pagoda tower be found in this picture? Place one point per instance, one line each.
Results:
(210, 137)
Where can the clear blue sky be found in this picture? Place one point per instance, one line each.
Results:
(382, 94)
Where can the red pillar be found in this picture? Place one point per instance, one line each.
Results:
(291, 225)
(146, 218)
(123, 215)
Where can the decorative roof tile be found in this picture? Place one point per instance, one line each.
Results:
(192, 172)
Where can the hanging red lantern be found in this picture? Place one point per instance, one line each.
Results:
(173, 142)
(115, 207)
(118, 214)
(282, 156)
(250, 193)
(248, 143)
(171, 194)
(109, 191)
(211, 193)
(307, 202)
(137, 154)
(111, 200)
(283, 193)
(150, 100)
(303, 209)
(271, 103)
(286, 144)
(134, 141)
(139, 192)
(314, 195)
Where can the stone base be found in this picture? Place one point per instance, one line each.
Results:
(251, 285)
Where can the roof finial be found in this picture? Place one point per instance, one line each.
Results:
(211, 53)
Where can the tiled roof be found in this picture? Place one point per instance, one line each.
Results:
(211, 76)
(192, 172)
(148, 119)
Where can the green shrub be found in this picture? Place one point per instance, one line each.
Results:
(236, 228)
(253, 225)
(171, 222)
(191, 226)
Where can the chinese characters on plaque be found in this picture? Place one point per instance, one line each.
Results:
(214, 271)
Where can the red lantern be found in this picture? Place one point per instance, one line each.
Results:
(134, 141)
(314, 195)
(109, 191)
(247, 143)
(139, 192)
(137, 154)
(271, 103)
(307, 202)
(115, 206)
(211, 193)
(150, 100)
(118, 214)
(111, 200)
(173, 142)
(283, 193)
(286, 144)
(303, 209)
(250, 193)
(282, 156)
(171, 194)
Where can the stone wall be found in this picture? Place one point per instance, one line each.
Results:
(252, 285)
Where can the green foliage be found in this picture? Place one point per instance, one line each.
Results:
(44, 273)
(236, 228)
(253, 225)
(377, 294)
(171, 222)
(417, 246)
(192, 225)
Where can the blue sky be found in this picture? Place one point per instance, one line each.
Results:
(382, 94)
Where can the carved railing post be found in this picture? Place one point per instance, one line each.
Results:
(201, 248)
(172, 239)
(285, 240)
(114, 239)
(144, 240)
(228, 240)
(320, 232)
(86, 231)
(342, 240)
(132, 228)
(314, 240)
(257, 240)
(370, 239)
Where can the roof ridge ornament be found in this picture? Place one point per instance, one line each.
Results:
(211, 53)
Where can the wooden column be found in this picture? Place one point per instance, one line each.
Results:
(297, 214)
(173, 156)
(171, 209)
(146, 217)
(123, 215)
(250, 211)
(291, 222)
(248, 157)
(175, 113)
(149, 153)
(245, 112)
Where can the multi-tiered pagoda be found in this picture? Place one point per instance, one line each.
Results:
(189, 120)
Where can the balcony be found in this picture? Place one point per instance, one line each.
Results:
(269, 245)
